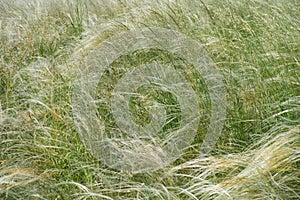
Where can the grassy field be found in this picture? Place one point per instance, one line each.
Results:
(255, 44)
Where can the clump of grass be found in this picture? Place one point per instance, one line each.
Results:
(254, 44)
(263, 171)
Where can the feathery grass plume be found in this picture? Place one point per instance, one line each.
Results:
(263, 171)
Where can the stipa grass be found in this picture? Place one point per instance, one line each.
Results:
(254, 44)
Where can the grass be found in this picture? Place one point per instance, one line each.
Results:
(255, 45)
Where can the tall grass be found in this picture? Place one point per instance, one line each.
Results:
(255, 44)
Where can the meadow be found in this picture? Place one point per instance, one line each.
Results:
(255, 45)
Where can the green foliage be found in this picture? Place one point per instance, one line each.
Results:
(255, 45)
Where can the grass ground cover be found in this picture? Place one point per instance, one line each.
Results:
(254, 44)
